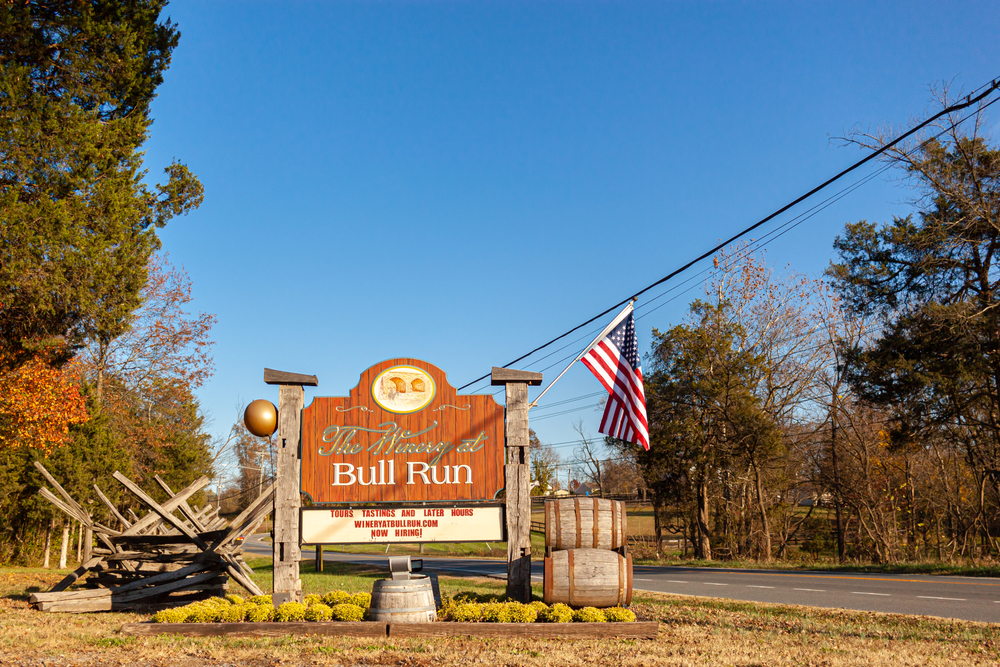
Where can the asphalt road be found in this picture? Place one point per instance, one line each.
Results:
(966, 598)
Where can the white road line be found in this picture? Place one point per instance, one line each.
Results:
(861, 593)
(675, 581)
(811, 590)
(928, 597)
(636, 579)
(709, 583)
(749, 586)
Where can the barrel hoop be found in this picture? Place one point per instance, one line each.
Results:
(624, 525)
(403, 587)
(547, 581)
(569, 557)
(403, 610)
(614, 523)
(621, 579)
(548, 532)
(595, 531)
(628, 595)
(579, 524)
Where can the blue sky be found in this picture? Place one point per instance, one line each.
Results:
(462, 181)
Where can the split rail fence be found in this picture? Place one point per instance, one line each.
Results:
(173, 554)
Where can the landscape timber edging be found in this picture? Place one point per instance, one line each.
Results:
(637, 630)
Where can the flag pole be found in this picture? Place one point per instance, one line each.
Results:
(604, 332)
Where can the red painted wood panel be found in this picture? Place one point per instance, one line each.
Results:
(404, 411)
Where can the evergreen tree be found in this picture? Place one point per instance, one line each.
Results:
(932, 281)
(77, 219)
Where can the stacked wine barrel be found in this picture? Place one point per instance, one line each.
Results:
(587, 563)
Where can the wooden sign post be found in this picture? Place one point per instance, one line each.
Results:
(518, 479)
(291, 398)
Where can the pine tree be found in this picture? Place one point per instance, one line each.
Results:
(77, 219)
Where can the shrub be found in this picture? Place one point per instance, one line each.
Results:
(619, 615)
(558, 613)
(447, 605)
(262, 599)
(347, 612)
(259, 613)
(538, 606)
(467, 612)
(175, 615)
(312, 599)
(200, 612)
(235, 599)
(289, 611)
(494, 612)
(336, 597)
(363, 600)
(520, 613)
(233, 613)
(589, 615)
(318, 612)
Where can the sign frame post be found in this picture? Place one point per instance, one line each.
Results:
(517, 472)
(286, 549)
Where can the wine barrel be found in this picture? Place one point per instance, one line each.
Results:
(574, 523)
(403, 600)
(588, 578)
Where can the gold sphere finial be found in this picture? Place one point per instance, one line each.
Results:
(261, 418)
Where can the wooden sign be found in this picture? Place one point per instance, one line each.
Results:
(403, 434)
(472, 523)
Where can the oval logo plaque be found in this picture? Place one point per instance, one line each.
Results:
(403, 389)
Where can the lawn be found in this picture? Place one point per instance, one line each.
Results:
(694, 631)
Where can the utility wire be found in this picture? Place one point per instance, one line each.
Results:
(969, 101)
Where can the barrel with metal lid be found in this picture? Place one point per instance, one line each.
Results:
(585, 522)
(588, 578)
(403, 600)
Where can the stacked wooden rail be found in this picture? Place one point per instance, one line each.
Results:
(173, 554)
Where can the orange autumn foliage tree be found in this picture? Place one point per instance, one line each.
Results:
(38, 403)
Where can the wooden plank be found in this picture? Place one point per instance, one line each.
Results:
(165, 540)
(518, 493)
(637, 630)
(264, 504)
(500, 376)
(286, 550)
(152, 519)
(185, 509)
(66, 509)
(69, 499)
(164, 513)
(114, 510)
(77, 573)
(328, 628)
(284, 378)
(237, 573)
(77, 606)
(69, 595)
(152, 591)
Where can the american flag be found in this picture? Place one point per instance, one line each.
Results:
(615, 361)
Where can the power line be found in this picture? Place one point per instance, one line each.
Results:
(969, 101)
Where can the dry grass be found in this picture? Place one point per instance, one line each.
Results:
(693, 632)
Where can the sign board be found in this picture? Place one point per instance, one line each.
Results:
(474, 523)
(403, 434)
